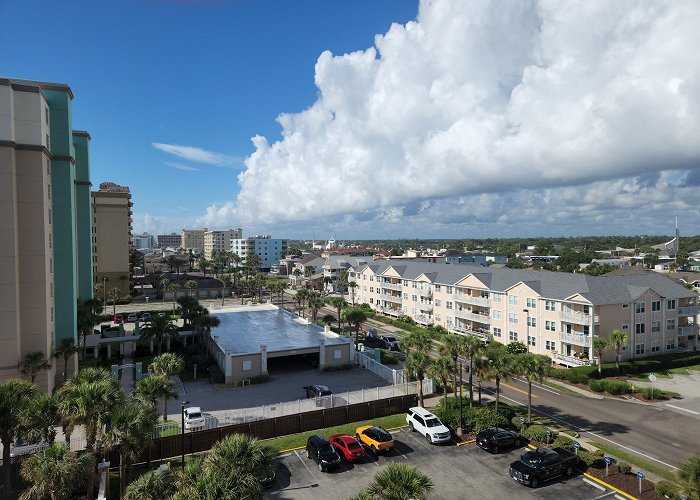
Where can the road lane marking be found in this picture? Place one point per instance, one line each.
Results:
(538, 386)
(682, 409)
(516, 389)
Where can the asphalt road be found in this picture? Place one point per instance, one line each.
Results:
(648, 430)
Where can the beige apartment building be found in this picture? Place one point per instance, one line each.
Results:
(112, 228)
(217, 241)
(193, 239)
(556, 314)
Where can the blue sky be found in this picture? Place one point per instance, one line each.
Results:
(466, 118)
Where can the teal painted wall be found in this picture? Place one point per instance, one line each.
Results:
(83, 216)
(63, 208)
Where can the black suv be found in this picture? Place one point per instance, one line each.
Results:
(495, 439)
(319, 449)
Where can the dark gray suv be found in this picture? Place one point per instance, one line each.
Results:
(322, 452)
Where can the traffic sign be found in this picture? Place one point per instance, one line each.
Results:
(652, 377)
(640, 475)
(608, 460)
(522, 420)
(549, 433)
(577, 445)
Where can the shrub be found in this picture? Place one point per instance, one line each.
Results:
(337, 368)
(667, 489)
(592, 459)
(616, 387)
(389, 358)
(477, 418)
(539, 433)
(596, 385)
(259, 379)
(562, 441)
(515, 421)
(624, 468)
(482, 418)
(648, 394)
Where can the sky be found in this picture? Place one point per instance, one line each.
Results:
(381, 118)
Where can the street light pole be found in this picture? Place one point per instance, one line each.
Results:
(527, 334)
(182, 433)
(461, 390)
(104, 291)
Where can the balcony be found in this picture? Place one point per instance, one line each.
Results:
(424, 319)
(482, 333)
(426, 307)
(479, 318)
(575, 338)
(391, 286)
(578, 318)
(688, 330)
(689, 310)
(390, 311)
(471, 299)
(391, 298)
(571, 360)
(425, 293)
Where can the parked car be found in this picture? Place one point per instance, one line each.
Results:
(131, 318)
(542, 464)
(425, 423)
(322, 452)
(316, 391)
(118, 318)
(23, 445)
(391, 342)
(194, 419)
(347, 447)
(375, 437)
(495, 439)
(145, 316)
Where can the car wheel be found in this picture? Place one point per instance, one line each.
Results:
(427, 438)
(410, 427)
(534, 482)
(568, 471)
(495, 450)
(320, 467)
(308, 455)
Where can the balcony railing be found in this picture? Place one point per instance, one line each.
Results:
(390, 311)
(426, 307)
(575, 338)
(391, 286)
(688, 330)
(479, 318)
(481, 333)
(571, 360)
(471, 299)
(575, 317)
(391, 298)
(689, 310)
(425, 293)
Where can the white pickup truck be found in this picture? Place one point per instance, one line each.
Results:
(194, 420)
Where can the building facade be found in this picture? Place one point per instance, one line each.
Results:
(556, 314)
(144, 241)
(220, 241)
(112, 237)
(268, 250)
(172, 240)
(193, 239)
(45, 223)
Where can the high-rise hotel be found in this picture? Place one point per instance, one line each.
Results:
(45, 224)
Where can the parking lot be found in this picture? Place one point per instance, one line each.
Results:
(457, 472)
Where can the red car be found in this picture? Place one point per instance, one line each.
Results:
(118, 318)
(347, 447)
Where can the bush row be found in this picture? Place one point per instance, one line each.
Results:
(611, 386)
(477, 418)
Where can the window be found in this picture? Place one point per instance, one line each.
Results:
(550, 305)
(639, 328)
(671, 304)
(247, 365)
(371, 289)
(337, 354)
(639, 307)
(655, 326)
(550, 345)
(670, 324)
(513, 318)
(550, 326)
(414, 298)
(513, 300)
(670, 344)
(625, 327)
(371, 278)
(438, 302)
(449, 290)
(513, 336)
(655, 346)
(531, 321)
(496, 332)
(498, 297)
(371, 300)
(625, 306)
(531, 302)
(531, 340)
(405, 295)
(496, 314)
(47, 115)
(50, 217)
(437, 288)
(437, 317)
(586, 309)
(639, 349)
(655, 305)
(448, 304)
(52, 314)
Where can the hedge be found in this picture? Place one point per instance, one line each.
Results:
(477, 418)
(667, 489)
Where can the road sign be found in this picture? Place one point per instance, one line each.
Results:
(652, 377)
(577, 445)
(608, 460)
(549, 433)
(640, 475)
(522, 420)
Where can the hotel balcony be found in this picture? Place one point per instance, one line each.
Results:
(482, 333)
(691, 310)
(575, 338)
(425, 293)
(391, 286)
(424, 319)
(471, 299)
(575, 317)
(571, 360)
(390, 311)
(688, 330)
(391, 298)
(426, 307)
(479, 318)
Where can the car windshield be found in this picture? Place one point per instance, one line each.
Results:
(381, 435)
(194, 415)
(433, 422)
(326, 451)
(354, 446)
(531, 458)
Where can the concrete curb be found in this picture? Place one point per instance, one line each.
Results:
(609, 486)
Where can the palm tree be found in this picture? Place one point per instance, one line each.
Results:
(32, 363)
(352, 285)
(203, 263)
(56, 473)
(600, 344)
(533, 367)
(442, 369)
(15, 396)
(41, 416)
(113, 294)
(315, 303)
(473, 346)
(420, 341)
(355, 316)
(339, 303)
(150, 486)
(500, 366)
(301, 297)
(158, 328)
(153, 388)
(87, 316)
(452, 345)
(65, 350)
(296, 273)
(225, 278)
(167, 365)
(130, 430)
(689, 477)
(618, 340)
(399, 482)
(190, 285)
(417, 364)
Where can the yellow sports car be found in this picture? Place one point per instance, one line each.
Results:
(376, 438)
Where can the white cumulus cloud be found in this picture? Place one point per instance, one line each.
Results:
(493, 111)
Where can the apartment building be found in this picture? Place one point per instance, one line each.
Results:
(193, 239)
(268, 250)
(220, 241)
(172, 240)
(336, 264)
(112, 223)
(143, 241)
(556, 314)
(45, 224)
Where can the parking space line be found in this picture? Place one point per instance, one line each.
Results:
(608, 494)
(418, 440)
(304, 464)
(609, 486)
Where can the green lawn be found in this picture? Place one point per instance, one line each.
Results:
(644, 377)
(684, 371)
(634, 460)
(558, 387)
(282, 443)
